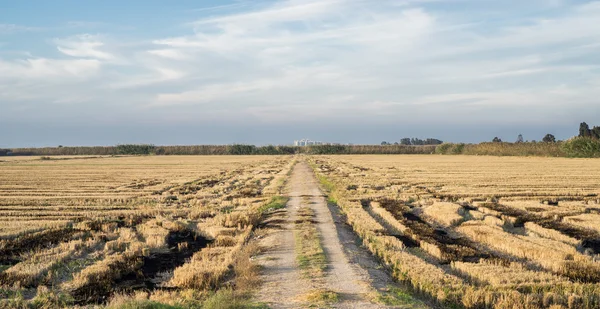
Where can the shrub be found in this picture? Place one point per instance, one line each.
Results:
(229, 299)
(582, 147)
(443, 148)
(450, 148)
(242, 149)
(135, 149)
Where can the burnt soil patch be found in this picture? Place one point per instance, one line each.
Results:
(590, 239)
(182, 246)
(11, 250)
(419, 230)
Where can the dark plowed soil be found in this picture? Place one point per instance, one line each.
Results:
(182, 245)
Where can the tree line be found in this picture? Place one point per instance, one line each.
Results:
(586, 144)
(237, 149)
(548, 138)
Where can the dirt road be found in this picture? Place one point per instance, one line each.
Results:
(351, 271)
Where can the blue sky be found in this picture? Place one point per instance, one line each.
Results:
(269, 72)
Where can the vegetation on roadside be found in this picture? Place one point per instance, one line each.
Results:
(277, 202)
(309, 249)
(320, 298)
(395, 296)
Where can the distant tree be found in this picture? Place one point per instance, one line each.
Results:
(519, 139)
(433, 141)
(384, 143)
(396, 143)
(60, 146)
(584, 130)
(405, 141)
(416, 141)
(497, 140)
(549, 138)
(595, 132)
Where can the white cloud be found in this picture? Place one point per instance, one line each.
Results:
(83, 46)
(347, 58)
(13, 28)
(42, 68)
(169, 53)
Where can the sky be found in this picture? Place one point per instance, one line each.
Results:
(269, 72)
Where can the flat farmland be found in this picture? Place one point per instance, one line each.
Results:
(477, 232)
(286, 232)
(88, 228)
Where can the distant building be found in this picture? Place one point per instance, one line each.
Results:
(307, 142)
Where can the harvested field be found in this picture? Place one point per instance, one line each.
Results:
(78, 231)
(477, 232)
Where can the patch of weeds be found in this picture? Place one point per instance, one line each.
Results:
(319, 298)
(143, 304)
(326, 183)
(7, 293)
(396, 296)
(46, 298)
(4, 267)
(277, 202)
(15, 302)
(227, 209)
(309, 250)
(229, 299)
(331, 200)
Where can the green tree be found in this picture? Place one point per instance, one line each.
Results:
(519, 139)
(497, 140)
(595, 133)
(584, 130)
(549, 138)
(405, 141)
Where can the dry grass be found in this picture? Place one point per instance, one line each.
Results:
(96, 227)
(320, 298)
(513, 229)
(446, 214)
(590, 221)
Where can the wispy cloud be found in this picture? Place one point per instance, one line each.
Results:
(12, 28)
(335, 59)
(83, 46)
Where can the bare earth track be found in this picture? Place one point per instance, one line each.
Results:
(351, 271)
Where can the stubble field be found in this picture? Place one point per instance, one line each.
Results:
(461, 231)
(477, 232)
(79, 231)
